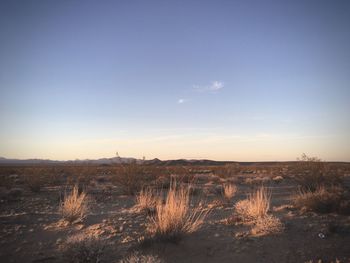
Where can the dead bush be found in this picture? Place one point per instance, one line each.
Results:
(35, 182)
(132, 177)
(322, 200)
(182, 174)
(227, 170)
(175, 218)
(138, 258)
(312, 172)
(266, 225)
(74, 206)
(83, 248)
(320, 261)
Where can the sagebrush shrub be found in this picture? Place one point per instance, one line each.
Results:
(268, 224)
(322, 200)
(138, 258)
(312, 173)
(132, 177)
(83, 248)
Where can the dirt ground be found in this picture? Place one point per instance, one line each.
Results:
(31, 229)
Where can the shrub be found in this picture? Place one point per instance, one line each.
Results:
(227, 170)
(268, 224)
(6, 181)
(255, 206)
(132, 177)
(137, 258)
(74, 206)
(83, 248)
(228, 191)
(35, 182)
(175, 218)
(322, 200)
(320, 261)
(312, 172)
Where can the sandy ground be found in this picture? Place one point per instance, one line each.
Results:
(31, 230)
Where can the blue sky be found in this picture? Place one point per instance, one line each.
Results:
(225, 80)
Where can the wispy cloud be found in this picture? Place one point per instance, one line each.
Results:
(181, 101)
(215, 86)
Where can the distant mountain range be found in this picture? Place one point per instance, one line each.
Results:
(125, 160)
(113, 160)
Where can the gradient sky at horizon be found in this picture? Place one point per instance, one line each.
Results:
(223, 80)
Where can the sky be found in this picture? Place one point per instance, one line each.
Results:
(222, 80)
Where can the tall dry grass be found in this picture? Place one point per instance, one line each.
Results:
(147, 200)
(175, 217)
(228, 191)
(74, 205)
(255, 206)
(254, 210)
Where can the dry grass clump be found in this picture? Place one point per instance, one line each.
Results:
(175, 217)
(83, 248)
(137, 258)
(254, 210)
(228, 191)
(147, 200)
(322, 200)
(74, 206)
(268, 224)
(255, 206)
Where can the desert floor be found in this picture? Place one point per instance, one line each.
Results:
(31, 229)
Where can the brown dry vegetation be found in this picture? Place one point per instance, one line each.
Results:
(147, 200)
(74, 205)
(255, 206)
(323, 200)
(83, 248)
(229, 190)
(175, 218)
(299, 215)
(312, 173)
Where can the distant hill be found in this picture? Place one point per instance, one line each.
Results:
(125, 160)
(114, 160)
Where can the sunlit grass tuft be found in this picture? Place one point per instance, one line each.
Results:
(175, 218)
(74, 206)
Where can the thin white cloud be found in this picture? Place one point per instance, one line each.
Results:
(215, 86)
(181, 101)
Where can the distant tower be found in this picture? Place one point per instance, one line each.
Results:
(118, 159)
